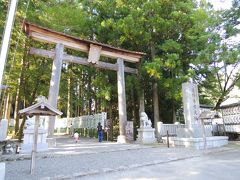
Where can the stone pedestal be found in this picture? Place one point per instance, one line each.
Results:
(197, 143)
(26, 147)
(51, 142)
(121, 139)
(193, 132)
(146, 135)
(3, 129)
(129, 131)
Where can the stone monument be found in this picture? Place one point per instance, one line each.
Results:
(146, 134)
(195, 134)
(27, 145)
(3, 129)
(129, 131)
(191, 113)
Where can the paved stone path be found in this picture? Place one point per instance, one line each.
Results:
(70, 160)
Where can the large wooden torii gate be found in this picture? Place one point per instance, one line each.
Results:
(94, 50)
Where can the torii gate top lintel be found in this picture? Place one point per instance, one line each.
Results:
(46, 35)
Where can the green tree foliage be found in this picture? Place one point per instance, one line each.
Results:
(181, 39)
(218, 63)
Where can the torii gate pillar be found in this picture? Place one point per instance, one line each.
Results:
(54, 85)
(121, 102)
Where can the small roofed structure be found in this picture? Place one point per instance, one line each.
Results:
(43, 108)
(210, 115)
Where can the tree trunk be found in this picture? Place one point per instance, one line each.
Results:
(90, 93)
(110, 122)
(80, 105)
(155, 107)
(155, 94)
(16, 126)
(141, 102)
(68, 100)
(20, 132)
(69, 94)
(19, 95)
(21, 85)
(3, 106)
(8, 107)
(141, 93)
(174, 118)
(134, 113)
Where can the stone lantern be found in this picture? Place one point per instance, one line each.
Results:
(41, 108)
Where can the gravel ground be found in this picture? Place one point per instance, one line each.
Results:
(83, 159)
(215, 166)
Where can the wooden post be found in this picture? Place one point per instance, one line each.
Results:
(54, 85)
(34, 147)
(167, 139)
(121, 102)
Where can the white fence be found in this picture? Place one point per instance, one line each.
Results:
(231, 117)
(231, 128)
(171, 128)
(88, 121)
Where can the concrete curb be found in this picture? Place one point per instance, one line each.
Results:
(2, 170)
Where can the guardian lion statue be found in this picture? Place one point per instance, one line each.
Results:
(144, 121)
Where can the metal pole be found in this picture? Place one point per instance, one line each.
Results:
(6, 37)
(34, 147)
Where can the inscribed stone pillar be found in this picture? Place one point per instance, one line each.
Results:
(54, 85)
(191, 104)
(121, 102)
